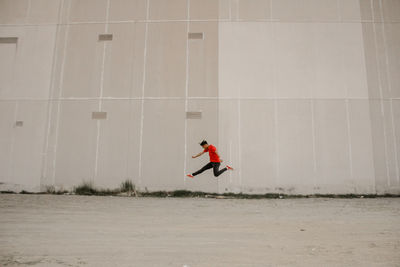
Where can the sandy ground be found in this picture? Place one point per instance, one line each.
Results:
(46, 230)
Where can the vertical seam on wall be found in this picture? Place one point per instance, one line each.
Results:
(339, 11)
(230, 10)
(14, 67)
(274, 80)
(385, 46)
(313, 128)
(372, 135)
(348, 124)
(143, 90)
(313, 135)
(349, 140)
(49, 115)
(390, 92)
(60, 87)
(239, 100)
(98, 123)
(237, 10)
(11, 170)
(230, 160)
(381, 96)
(28, 12)
(364, 22)
(383, 110)
(217, 103)
(186, 88)
(239, 141)
(276, 142)
(131, 118)
(394, 141)
(270, 10)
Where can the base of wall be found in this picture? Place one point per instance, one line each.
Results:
(196, 194)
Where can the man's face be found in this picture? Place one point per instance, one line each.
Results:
(205, 146)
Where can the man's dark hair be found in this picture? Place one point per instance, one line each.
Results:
(204, 142)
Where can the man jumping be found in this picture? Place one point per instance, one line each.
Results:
(214, 163)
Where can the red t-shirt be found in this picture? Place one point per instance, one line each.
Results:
(211, 151)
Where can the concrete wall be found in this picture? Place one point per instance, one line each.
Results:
(301, 96)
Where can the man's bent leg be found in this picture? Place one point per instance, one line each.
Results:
(217, 171)
(206, 167)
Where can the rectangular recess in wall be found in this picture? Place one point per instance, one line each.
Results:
(19, 123)
(99, 115)
(193, 115)
(105, 37)
(195, 35)
(8, 40)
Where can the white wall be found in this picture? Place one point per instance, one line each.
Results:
(299, 96)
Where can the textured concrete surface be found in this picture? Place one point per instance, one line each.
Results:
(46, 230)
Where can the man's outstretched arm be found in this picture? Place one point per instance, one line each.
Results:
(198, 155)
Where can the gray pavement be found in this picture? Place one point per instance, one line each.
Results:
(48, 230)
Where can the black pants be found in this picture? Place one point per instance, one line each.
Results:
(214, 165)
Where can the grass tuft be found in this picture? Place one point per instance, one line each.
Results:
(8, 192)
(127, 186)
(86, 188)
(50, 189)
(26, 192)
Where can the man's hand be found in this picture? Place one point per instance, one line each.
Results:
(198, 155)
